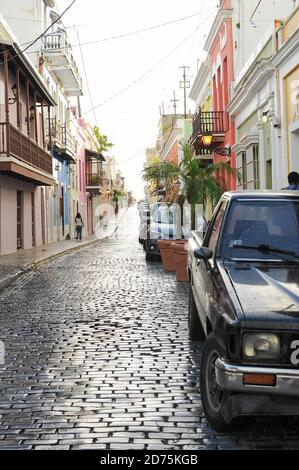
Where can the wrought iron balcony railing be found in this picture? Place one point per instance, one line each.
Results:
(68, 140)
(94, 180)
(214, 122)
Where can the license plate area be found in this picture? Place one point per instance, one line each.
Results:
(293, 351)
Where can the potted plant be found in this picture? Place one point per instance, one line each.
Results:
(194, 181)
(167, 255)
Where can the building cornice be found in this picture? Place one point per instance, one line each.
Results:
(256, 78)
(201, 77)
(245, 142)
(221, 16)
(289, 47)
(175, 136)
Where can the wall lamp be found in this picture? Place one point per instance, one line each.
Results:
(15, 94)
(207, 140)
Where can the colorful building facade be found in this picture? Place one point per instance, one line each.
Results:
(25, 162)
(286, 62)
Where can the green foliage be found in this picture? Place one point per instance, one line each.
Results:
(102, 139)
(199, 182)
(117, 193)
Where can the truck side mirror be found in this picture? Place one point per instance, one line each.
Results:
(203, 253)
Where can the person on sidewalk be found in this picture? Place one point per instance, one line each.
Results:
(79, 226)
(293, 179)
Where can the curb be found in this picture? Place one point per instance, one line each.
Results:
(4, 283)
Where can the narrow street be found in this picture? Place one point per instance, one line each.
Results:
(98, 356)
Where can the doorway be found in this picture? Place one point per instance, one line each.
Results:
(33, 218)
(90, 214)
(19, 220)
(61, 210)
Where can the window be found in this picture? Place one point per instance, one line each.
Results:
(244, 170)
(256, 171)
(225, 84)
(21, 115)
(213, 238)
(253, 223)
(269, 174)
(19, 219)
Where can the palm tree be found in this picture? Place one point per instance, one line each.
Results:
(199, 182)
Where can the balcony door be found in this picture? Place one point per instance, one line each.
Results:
(33, 218)
(61, 211)
(90, 215)
(19, 219)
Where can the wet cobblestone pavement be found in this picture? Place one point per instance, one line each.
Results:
(98, 356)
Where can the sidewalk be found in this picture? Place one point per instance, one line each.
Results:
(15, 264)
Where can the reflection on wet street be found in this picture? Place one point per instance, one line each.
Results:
(98, 356)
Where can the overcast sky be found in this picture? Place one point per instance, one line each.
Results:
(130, 119)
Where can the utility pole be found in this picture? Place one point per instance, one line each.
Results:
(185, 84)
(161, 109)
(174, 101)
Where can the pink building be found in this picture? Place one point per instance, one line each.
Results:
(219, 46)
(91, 182)
(81, 173)
(25, 162)
(215, 123)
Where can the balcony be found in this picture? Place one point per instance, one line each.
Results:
(23, 158)
(58, 52)
(68, 144)
(54, 128)
(213, 122)
(62, 140)
(94, 182)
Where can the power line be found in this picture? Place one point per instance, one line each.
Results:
(131, 33)
(86, 79)
(138, 80)
(41, 35)
(148, 72)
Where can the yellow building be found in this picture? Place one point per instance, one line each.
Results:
(201, 94)
(152, 155)
(286, 62)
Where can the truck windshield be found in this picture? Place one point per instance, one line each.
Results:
(253, 225)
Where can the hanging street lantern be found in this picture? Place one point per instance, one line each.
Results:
(207, 140)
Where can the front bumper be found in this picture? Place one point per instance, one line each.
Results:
(230, 377)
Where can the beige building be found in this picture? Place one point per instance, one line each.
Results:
(286, 62)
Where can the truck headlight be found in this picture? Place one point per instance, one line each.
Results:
(261, 345)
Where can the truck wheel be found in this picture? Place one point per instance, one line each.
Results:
(196, 331)
(212, 396)
(149, 257)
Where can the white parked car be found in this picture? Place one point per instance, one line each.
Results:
(165, 224)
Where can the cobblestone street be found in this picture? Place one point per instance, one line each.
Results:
(98, 356)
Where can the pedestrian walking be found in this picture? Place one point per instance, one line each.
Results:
(293, 179)
(79, 226)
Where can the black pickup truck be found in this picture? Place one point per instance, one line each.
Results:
(244, 303)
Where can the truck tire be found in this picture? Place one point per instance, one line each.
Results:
(149, 257)
(212, 396)
(196, 331)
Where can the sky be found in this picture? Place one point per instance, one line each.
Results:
(130, 119)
